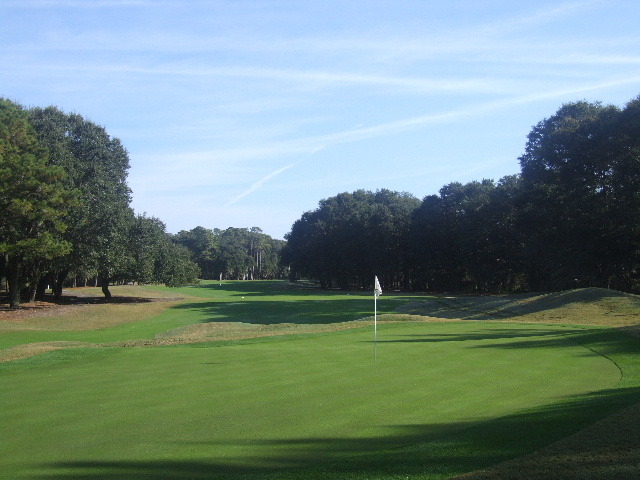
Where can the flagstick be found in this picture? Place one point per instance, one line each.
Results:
(376, 292)
(375, 327)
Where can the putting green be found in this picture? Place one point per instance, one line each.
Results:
(294, 406)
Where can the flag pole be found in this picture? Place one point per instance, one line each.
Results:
(375, 327)
(377, 291)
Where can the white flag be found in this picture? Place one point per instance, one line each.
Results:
(377, 290)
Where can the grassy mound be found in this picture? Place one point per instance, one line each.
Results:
(586, 306)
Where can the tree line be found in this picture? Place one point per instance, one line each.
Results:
(234, 253)
(570, 218)
(66, 216)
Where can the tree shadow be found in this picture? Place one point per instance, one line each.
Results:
(256, 288)
(603, 341)
(78, 300)
(484, 333)
(320, 311)
(48, 301)
(410, 451)
(269, 302)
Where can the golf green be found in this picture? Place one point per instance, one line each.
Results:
(295, 406)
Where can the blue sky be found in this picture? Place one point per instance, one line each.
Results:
(249, 112)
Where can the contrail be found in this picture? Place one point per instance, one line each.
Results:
(256, 185)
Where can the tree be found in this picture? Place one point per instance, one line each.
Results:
(177, 268)
(621, 233)
(147, 238)
(156, 258)
(202, 245)
(580, 177)
(97, 167)
(33, 201)
(234, 258)
(452, 237)
(352, 237)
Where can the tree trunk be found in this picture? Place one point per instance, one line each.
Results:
(58, 283)
(3, 270)
(33, 289)
(104, 283)
(42, 287)
(33, 283)
(13, 279)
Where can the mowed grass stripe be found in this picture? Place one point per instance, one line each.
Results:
(303, 402)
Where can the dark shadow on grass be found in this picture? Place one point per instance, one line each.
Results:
(280, 304)
(76, 300)
(272, 287)
(305, 311)
(604, 341)
(410, 451)
(484, 334)
(49, 302)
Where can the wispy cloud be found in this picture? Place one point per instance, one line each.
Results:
(229, 167)
(473, 110)
(28, 4)
(309, 78)
(538, 16)
(392, 128)
(338, 44)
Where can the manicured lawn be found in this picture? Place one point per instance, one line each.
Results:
(441, 399)
(258, 302)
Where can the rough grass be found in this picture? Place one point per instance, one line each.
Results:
(32, 330)
(586, 306)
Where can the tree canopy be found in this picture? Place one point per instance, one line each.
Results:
(351, 237)
(65, 204)
(33, 200)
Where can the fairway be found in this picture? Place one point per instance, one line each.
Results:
(443, 398)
